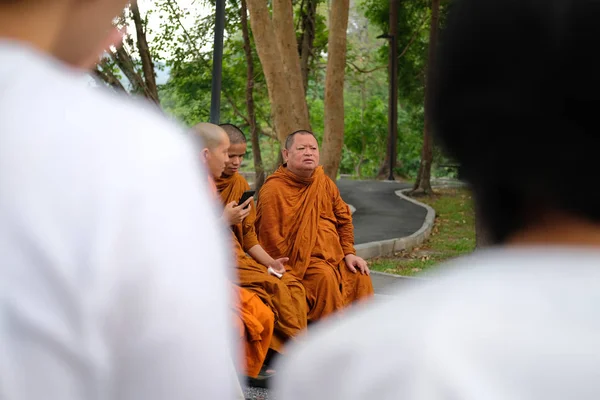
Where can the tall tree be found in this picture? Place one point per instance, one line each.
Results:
(482, 237)
(151, 90)
(285, 33)
(423, 181)
(308, 22)
(106, 72)
(143, 82)
(277, 50)
(258, 164)
(123, 60)
(333, 137)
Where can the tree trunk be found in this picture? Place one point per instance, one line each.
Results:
(424, 178)
(287, 115)
(418, 178)
(109, 78)
(423, 184)
(307, 39)
(285, 33)
(258, 164)
(333, 137)
(126, 65)
(384, 169)
(482, 237)
(144, 50)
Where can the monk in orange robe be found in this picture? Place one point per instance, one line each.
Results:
(286, 295)
(301, 215)
(253, 319)
(254, 323)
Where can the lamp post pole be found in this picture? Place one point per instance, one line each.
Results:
(393, 97)
(393, 87)
(215, 99)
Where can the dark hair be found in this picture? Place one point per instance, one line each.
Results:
(236, 136)
(515, 99)
(290, 139)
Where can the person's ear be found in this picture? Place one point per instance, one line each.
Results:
(285, 154)
(205, 155)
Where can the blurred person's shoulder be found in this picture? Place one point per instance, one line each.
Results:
(42, 97)
(470, 320)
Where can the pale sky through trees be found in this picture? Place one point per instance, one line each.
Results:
(198, 9)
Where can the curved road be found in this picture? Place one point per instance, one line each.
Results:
(380, 214)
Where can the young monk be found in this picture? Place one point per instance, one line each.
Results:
(253, 318)
(301, 215)
(286, 295)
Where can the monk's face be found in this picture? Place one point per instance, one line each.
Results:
(236, 155)
(216, 158)
(303, 155)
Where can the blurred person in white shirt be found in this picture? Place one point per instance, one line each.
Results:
(113, 281)
(515, 100)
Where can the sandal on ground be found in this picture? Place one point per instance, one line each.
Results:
(263, 378)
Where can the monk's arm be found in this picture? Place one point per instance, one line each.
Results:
(249, 232)
(260, 255)
(344, 222)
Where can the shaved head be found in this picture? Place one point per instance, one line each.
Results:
(215, 144)
(212, 135)
(236, 136)
(289, 141)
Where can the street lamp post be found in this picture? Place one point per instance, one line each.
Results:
(392, 36)
(215, 99)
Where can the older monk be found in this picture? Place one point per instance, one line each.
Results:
(301, 215)
(253, 319)
(285, 295)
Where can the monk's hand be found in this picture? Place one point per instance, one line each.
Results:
(355, 263)
(235, 214)
(279, 265)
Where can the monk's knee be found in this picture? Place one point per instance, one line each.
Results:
(327, 281)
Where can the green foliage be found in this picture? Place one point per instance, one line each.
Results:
(187, 93)
(413, 43)
(365, 137)
(413, 40)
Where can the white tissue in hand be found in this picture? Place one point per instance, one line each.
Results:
(271, 271)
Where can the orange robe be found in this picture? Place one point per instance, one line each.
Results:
(231, 188)
(286, 296)
(306, 220)
(254, 323)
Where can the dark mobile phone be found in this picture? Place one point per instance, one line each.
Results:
(247, 194)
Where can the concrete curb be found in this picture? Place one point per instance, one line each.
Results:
(389, 247)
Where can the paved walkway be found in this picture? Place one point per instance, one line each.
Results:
(380, 214)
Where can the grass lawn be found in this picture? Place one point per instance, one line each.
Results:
(453, 234)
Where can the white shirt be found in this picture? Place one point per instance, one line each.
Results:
(112, 268)
(502, 324)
